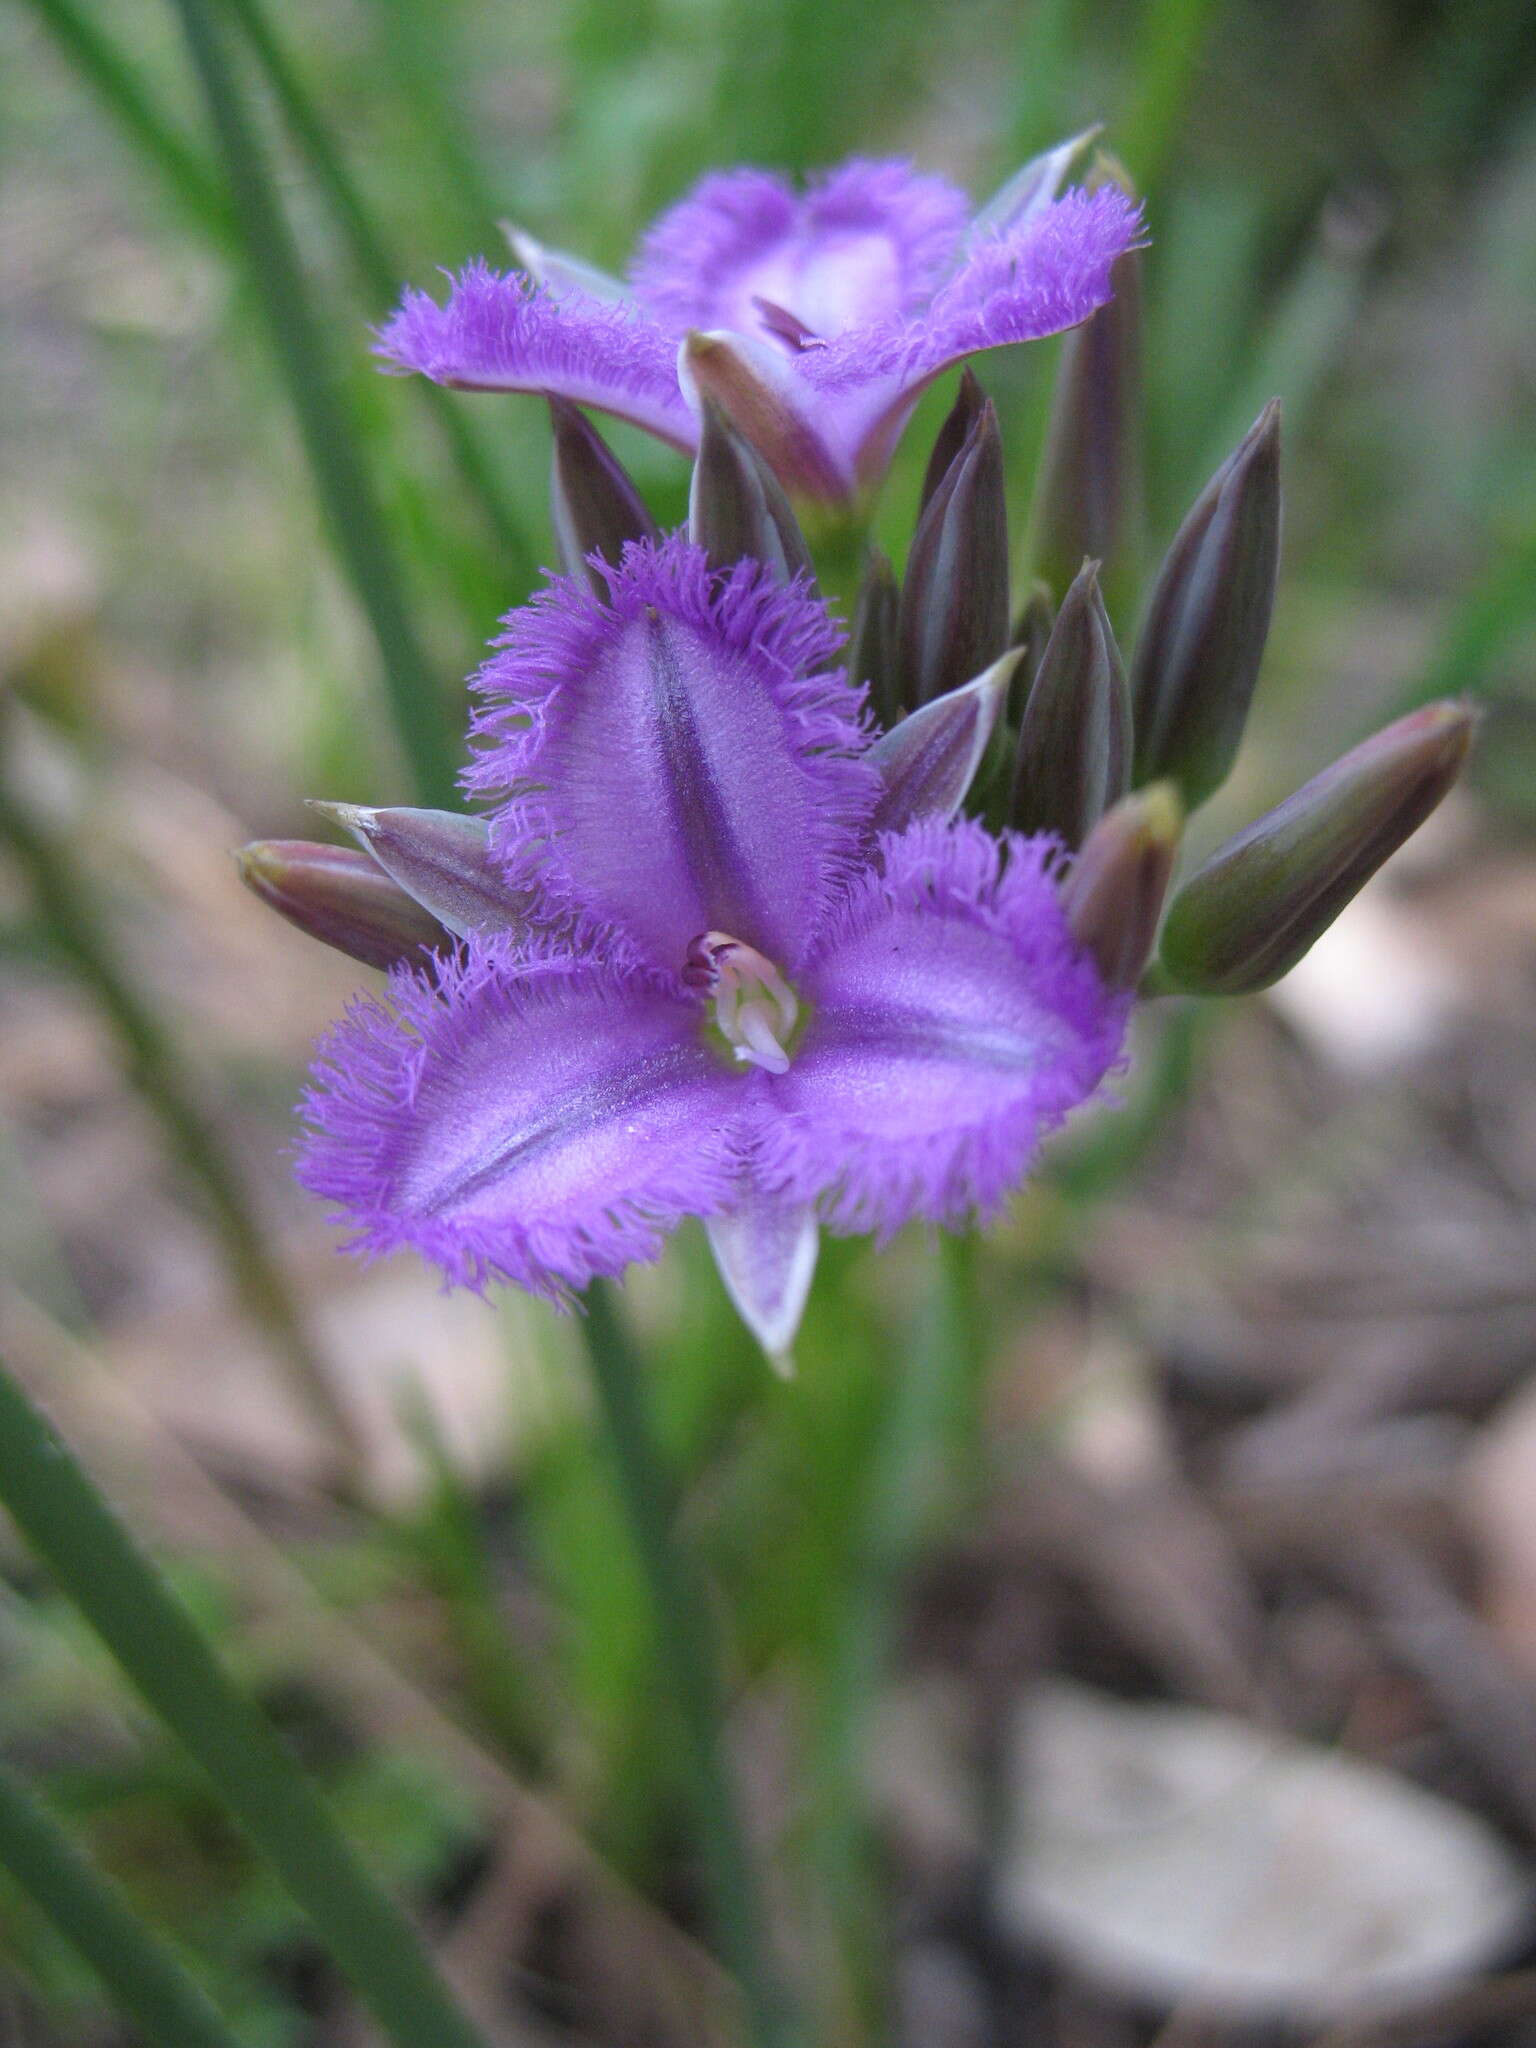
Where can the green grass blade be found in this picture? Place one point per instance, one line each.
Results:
(912, 1440)
(74, 928)
(690, 1660)
(304, 358)
(103, 1573)
(1173, 35)
(143, 1978)
(381, 275)
(111, 77)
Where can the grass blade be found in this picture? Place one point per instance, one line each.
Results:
(145, 1981)
(688, 1653)
(381, 275)
(63, 897)
(104, 1574)
(300, 344)
(98, 60)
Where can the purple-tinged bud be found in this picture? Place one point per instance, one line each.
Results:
(872, 648)
(595, 507)
(440, 858)
(1031, 630)
(954, 596)
(1074, 751)
(929, 761)
(1089, 499)
(718, 366)
(1203, 635)
(343, 899)
(737, 506)
(952, 436)
(1250, 913)
(1029, 191)
(1113, 893)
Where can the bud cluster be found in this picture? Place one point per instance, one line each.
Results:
(1030, 714)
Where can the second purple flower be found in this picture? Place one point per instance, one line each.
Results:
(814, 319)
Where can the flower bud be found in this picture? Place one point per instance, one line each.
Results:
(440, 858)
(1250, 913)
(748, 386)
(954, 600)
(1031, 630)
(952, 435)
(737, 506)
(1074, 752)
(1203, 635)
(1114, 890)
(872, 639)
(595, 507)
(929, 761)
(341, 898)
(1088, 501)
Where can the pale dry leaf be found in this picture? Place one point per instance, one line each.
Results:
(1190, 1858)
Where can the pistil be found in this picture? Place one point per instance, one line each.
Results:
(755, 1008)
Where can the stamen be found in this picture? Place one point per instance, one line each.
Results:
(755, 1008)
(786, 326)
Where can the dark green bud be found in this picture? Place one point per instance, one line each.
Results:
(440, 858)
(737, 506)
(1074, 751)
(595, 507)
(1031, 630)
(954, 600)
(1203, 635)
(1089, 498)
(929, 761)
(952, 436)
(343, 899)
(872, 655)
(1250, 913)
(1113, 893)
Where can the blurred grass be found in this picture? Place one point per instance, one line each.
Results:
(1357, 242)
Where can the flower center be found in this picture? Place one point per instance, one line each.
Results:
(755, 1008)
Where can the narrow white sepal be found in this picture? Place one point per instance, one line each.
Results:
(766, 1252)
(1029, 191)
(563, 272)
(929, 761)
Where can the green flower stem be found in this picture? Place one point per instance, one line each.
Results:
(112, 77)
(381, 276)
(689, 1655)
(119, 1593)
(300, 344)
(929, 1407)
(157, 1067)
(145, 1981)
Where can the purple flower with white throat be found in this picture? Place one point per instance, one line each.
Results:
(813, 319)
(738, 998)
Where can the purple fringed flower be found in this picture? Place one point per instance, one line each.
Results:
(815, 319)
(740, 1003)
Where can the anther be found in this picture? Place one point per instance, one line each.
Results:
(755, 1008)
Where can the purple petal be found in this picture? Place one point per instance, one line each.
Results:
(766, 1252)
(539, 1120)
(1052, 274)
(953, 1023)
(680, 759)
(507, 333)
(867, 243)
